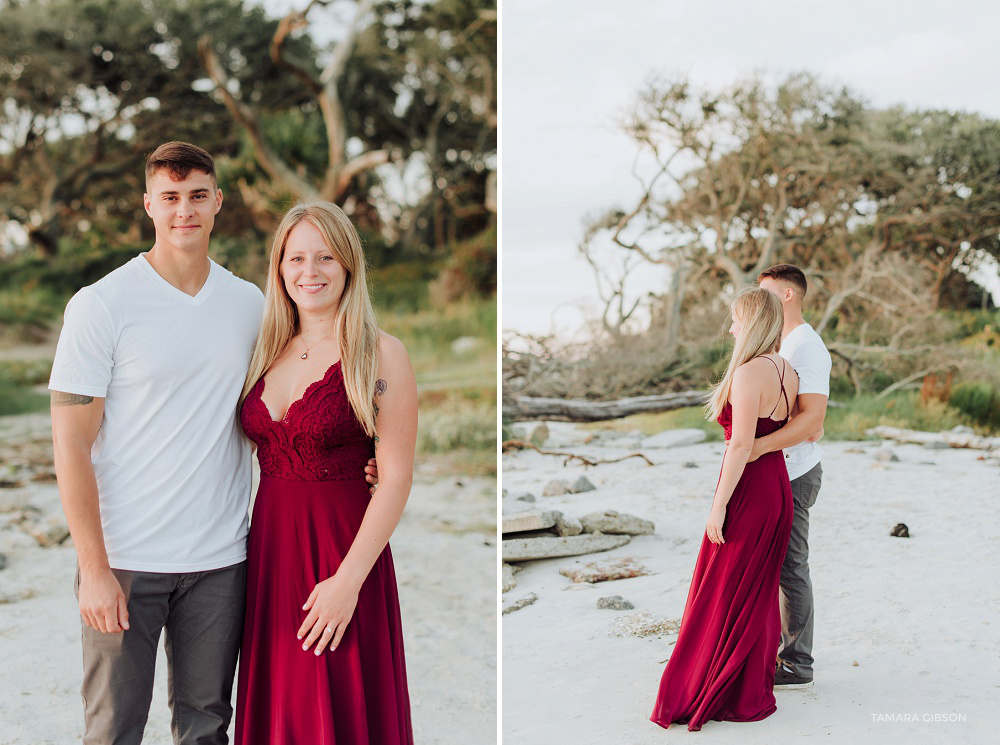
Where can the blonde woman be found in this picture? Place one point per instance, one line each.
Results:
(322, 654)
(722, 666)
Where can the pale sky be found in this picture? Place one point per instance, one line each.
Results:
(570, 67)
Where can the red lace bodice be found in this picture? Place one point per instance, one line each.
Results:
(319, 439)
(765, 425)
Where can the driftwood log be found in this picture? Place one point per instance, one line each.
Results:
(524, 408)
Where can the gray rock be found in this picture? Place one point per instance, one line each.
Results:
(616, 523)
(936, 445)
(691, 464)
(521, 603)
(539, 435)
(526, 549)
(672, 438)
(525, 497)
(582, 484)
(566, 525)
(557, 488)
(3, 561)
(527, 519)
(886, 455)
(614, 602)
(509, 580)
(961, 429)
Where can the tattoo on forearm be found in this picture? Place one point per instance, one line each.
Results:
(70, 399)
(380, 386)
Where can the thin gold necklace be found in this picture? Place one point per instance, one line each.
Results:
(305, 354)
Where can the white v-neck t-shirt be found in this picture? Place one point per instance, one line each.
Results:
(172, 466)
(807, 354)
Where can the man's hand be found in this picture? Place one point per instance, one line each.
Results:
(371, 475)
(757, 451)
(102, 602)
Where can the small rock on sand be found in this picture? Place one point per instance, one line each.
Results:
(3, 561)
(604, 571)
(885, 455)
(557, 488)
(521, 603)
(614, 602)
(566, 525)
(526, 549)
(539, 435)
(582, 484)
(616, 523)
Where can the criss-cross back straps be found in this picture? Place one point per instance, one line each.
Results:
(781, 379)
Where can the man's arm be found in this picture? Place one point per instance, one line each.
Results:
(808, 423)
(76, 420)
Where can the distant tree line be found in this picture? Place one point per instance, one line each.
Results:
(395, 120)
(886, 210)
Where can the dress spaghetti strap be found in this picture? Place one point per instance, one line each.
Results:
(781, 380)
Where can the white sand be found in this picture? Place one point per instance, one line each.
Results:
(444, 552)
(920, 616)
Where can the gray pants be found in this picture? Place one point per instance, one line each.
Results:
(796, 586)
(202, 613)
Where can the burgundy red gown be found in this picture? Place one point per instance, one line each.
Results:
(309, 506)
(722, 666)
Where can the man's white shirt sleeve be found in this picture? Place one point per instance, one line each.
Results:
(85, 353)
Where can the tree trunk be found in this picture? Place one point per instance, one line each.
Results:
(521, 408)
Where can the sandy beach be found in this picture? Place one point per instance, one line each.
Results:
(445, 556)
(907, 635)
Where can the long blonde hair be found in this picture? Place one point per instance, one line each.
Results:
(355, 322)
(760, 313)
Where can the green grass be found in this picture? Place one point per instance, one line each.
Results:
(19, 399)
(692, 417)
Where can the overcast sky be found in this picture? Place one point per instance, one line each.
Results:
(570, 67)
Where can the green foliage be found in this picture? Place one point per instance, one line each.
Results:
(16, 398)
(470, 271)
(458, 420)
(691, 417)
(978, 401)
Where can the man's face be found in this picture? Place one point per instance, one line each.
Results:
(183, 212)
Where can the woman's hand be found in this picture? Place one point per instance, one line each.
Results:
(331, 605)
(714, 528)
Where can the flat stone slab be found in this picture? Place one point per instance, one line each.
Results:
(520, 521)
(616, 523)
(526, 549)
(672, 438)
(605, 571)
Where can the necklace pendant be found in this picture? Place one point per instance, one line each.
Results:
(305, 355)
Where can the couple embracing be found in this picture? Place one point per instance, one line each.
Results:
(747, 626)
(167, 372)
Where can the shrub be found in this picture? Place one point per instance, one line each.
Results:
(978, 401)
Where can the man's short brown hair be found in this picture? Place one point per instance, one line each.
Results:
(786, 273)
(178, 159)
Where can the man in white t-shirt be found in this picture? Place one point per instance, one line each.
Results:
(153, 471)
(807, 354)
